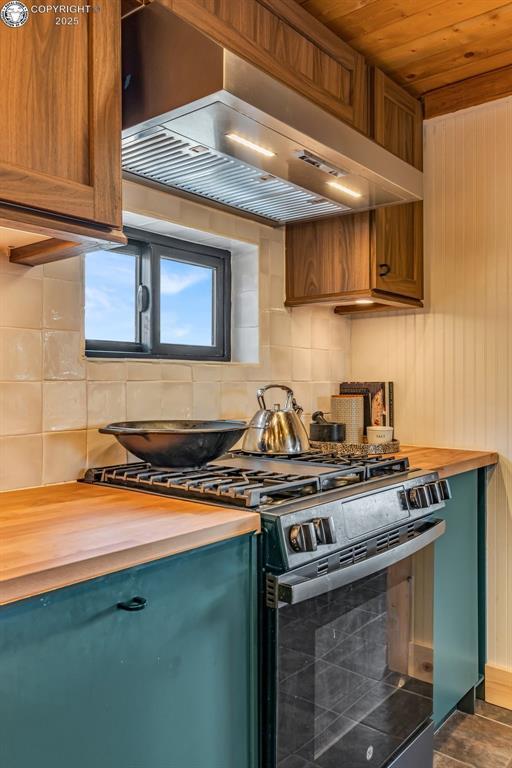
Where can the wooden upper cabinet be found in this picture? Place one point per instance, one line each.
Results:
(327, 258)
(60, 121)
(371, 260)
(397, 120)
(284, 40)
(397, 252)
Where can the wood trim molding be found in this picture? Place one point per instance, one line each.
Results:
(470, 92)
(44, 251)
(53, 249)
(132, 6)
(498, 686)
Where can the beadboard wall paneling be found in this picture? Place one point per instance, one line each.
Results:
(452, 362)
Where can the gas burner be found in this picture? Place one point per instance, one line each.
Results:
(247, 481)
(375, 466)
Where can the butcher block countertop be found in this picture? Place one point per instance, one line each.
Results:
(447, 461)
(58, 535)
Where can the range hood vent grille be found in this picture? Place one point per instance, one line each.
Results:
(169, 159)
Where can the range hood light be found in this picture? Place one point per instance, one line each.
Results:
(250, 145)
(343, 188)
(364, 301)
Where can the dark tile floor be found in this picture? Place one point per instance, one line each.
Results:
(483, 740)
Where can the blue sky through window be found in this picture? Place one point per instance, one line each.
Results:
(186, 299)
(186, 303)
(110, 296)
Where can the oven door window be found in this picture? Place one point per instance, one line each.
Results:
(355, 669)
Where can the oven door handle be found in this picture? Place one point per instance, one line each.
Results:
(295, 589)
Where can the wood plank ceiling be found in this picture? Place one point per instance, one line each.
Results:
(423, 44)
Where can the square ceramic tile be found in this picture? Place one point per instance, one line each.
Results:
(176, 400)
(244, 271)
(234, 402)
(277, 292)
(246, 309)
(339, 368)
(20, 408)
(21, 302)
(245, 347)
(21, 462)
(103, 450)
(62, 305)
(320, 328)
(21, 355)
(264, 328)
(302, 391)
(176, 372)
(340, 332)
(63, 355)
(65, 269)
(143, 400)
(64, 456)
(210, 372)
(106, 370)
(143, 371)
(106, 402)
(302, 362)
(301, 327)
(321, 365)
(260, 371)
(64, 405)
(276, 259)
(281, 364)
(206, 400)
(280, 328)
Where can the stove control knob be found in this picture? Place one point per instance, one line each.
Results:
(303, 537)
(445, 491)
(434, 493)
(325, 530)
(418, 497)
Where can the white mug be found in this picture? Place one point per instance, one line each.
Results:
(377, 435)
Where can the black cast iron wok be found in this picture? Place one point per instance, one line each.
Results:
(177, 443)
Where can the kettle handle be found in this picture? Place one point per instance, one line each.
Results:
(290, 401)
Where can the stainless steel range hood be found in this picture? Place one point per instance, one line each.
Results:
(201, 120)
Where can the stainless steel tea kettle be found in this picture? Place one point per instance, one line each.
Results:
(277, 431)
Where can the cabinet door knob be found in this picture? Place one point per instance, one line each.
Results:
(384, 270)
(135, 604)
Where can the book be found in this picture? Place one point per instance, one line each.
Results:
(378, 411)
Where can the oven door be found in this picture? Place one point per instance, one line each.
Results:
(349, 660)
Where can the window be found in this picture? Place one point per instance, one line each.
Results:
(158, 297)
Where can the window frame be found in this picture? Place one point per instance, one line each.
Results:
(151, 247)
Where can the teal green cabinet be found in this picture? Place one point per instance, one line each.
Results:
(458, 597)
(84, 684)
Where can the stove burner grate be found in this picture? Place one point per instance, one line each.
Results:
(232, 484)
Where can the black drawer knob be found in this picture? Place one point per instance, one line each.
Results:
(385, 269)
(135, 604)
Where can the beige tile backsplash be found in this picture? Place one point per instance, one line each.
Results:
(53, 399)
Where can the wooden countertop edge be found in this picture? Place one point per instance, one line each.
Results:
(447, 461)
(39, 582)
(467, 466)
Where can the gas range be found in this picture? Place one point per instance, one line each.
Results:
(251, 480)
(312, 504)
(342, 539)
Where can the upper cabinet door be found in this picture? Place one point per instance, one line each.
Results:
(397, 120)
(397, 250)
(284, 40)
(60, 121)
(397, 253)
